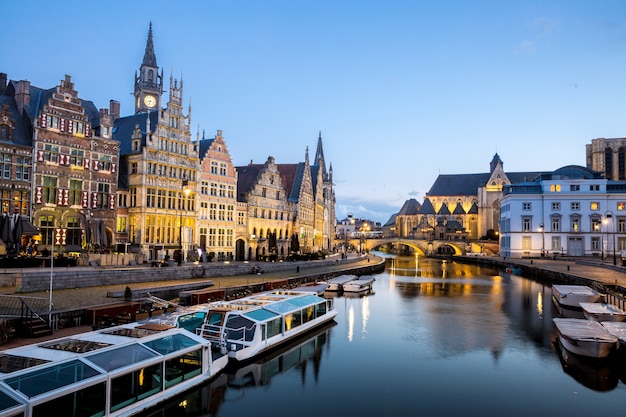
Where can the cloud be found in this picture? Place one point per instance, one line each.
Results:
(545, 25)
(525, 48)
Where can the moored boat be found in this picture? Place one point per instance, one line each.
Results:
(585, 337)
(362, 284)
(603, 312)
(572, 295)
(249, 326)
(617, 329)
(336, 284)
(117, 371)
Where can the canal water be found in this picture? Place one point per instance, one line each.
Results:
(432, 338)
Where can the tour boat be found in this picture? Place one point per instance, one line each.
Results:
(246, 327)
(362, 284)
(603, 312)
(336, 284)
(585, 337)
(572, 295)
(117, 371)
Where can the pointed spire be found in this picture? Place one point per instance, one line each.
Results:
(149, 57)
(319, 157)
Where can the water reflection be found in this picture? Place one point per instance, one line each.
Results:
(233, 384)
(598, 375)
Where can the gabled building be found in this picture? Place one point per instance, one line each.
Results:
(160, 175)
(573, 211)
(269, 213)
(75, 168)
(217, 199)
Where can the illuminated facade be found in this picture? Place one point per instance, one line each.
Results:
(217, 213)
(160, 161)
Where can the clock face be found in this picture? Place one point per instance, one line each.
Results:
(149, 101)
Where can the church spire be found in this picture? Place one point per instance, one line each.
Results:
(319, 156)
(149, 57)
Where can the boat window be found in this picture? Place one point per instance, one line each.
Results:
(274, 327)
(321, 309)
(191, 321)
(134, 386)
(183, 367)
(170, 344)
(123, 356)
(7, 403)
(308, 314)
(12, 363)
(215, 318)
(260, 315)
(90, 401)
(293, 320)
(40, 381)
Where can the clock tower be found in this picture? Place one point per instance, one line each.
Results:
(148, 83)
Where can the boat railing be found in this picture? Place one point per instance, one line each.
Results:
(241, 334)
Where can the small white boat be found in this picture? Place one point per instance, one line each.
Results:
(362, 284)
(572, 295)
(603, 312)
(617, 329)
(336, 284)
(316, 287)
(585, 337)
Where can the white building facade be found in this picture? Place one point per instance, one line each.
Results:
(572, 211)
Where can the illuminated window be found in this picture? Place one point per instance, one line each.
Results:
(595, 205)
(555, 188)
(621, 205)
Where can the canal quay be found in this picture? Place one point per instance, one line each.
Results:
(172, 280)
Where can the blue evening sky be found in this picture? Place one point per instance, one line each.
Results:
(402, 91)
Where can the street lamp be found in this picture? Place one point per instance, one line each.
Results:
(543, 240)
(186, 190)
(609, 215)
(605, 220)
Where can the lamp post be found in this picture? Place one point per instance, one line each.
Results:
(543, 240)
(186, 190)
(609, 215)
(605, 220)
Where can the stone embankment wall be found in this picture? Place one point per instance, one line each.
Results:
(38, 279)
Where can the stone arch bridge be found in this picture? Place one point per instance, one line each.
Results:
(421, 246)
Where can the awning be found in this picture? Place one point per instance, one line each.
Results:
(28, 229)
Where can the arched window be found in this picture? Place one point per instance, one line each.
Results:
(608, 163)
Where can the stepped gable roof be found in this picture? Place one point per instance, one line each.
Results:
(203, 147)
(444, 210)
(246, 178)
(458, 209)
(391, 221)
(473, 209)
(410, 207)
(124, 127)
(427, 207)
(291, 178)
(468, 184)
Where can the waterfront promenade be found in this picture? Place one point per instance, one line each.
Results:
(584, 269)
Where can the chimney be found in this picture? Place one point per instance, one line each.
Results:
(114, 108)
(3, 83)
(22, 95)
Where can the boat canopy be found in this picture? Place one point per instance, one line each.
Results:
(37, 372)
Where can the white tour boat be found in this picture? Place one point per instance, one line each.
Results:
(362, 284)
(117, 371)
(603, 312)
(249, 326)
(570, 296)
(585, 337)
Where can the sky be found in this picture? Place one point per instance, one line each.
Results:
(401, 91)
